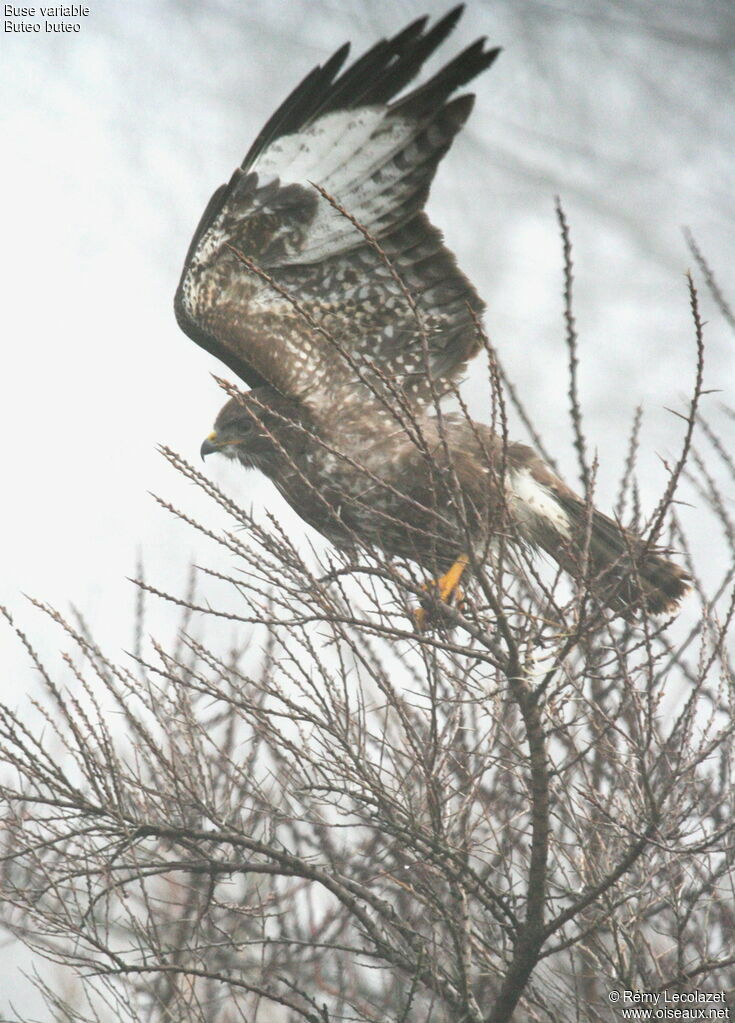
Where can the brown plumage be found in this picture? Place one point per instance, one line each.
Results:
(369, 484)
(344, 311)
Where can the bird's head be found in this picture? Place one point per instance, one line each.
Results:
(261, 429)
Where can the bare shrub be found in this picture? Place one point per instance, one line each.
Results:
(342, 817)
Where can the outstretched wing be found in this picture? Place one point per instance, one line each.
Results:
(286, 288)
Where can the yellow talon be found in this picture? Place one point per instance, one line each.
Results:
(450, 582)
(447, 589)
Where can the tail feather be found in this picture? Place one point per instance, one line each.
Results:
(624, 572)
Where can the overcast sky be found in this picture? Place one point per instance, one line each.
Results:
(117, 135)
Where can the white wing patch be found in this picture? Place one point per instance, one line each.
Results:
(351, 154)
(317, 151)
(531, 501)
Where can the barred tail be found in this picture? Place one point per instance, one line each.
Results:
(624, 573)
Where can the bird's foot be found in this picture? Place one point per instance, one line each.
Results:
(445, 590)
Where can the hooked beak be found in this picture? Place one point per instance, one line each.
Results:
(210, 445)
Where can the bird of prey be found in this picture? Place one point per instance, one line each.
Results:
(317, 277)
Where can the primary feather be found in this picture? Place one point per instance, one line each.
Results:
(325, 309)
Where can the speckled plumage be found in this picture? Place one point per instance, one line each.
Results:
(317, 277)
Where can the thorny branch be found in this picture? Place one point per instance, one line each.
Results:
(303, 808)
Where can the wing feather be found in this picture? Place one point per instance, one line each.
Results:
(284, 288)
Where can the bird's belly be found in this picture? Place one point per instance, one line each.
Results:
(352, 508)
(315, 497)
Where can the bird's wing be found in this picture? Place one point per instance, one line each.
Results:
(287, 290)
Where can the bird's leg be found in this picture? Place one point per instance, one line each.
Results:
(448, 585)
(446, 588)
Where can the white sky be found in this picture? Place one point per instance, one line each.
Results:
(116, 137)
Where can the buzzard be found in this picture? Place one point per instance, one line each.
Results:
(316, 276)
